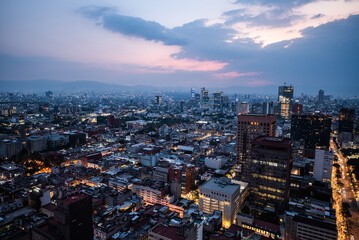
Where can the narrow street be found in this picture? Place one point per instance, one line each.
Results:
(348, 195)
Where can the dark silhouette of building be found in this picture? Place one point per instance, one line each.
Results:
(314, 129)
(250, 126)
(346, 120)
(268, 108)
(270, 166)
(158, 100)
(297, 108)
(321, 96)
(113, 122)
(217, 99)
(72, 220)
(257, 108)
(285, 101)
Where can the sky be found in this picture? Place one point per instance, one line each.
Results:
(257, 44)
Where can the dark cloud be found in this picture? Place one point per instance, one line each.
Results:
(132, 26)
(326, 57)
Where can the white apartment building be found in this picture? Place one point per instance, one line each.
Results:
(323, 165)
(223, 195)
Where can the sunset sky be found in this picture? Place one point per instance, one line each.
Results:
(213, 43)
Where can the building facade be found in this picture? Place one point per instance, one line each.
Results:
(270, 165)
(285, 101)
(250, 126)
(222, 195)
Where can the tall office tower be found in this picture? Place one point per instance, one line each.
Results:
(270, 165)
(158, 100)
(192, 94)
(197, 97)
(223, 195)
(321, 96)
(250, 126)
(256, 108)
(217, 99)
(48, 94)
(285, 100)
(297, 108)
(314, 129)
(323, 165)
(346, 120)
(72, 220)
(205, 96)
(201, 99)
(268, 107)
(74, 217)
(242, 107)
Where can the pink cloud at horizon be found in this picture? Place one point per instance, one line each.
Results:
(234, 74)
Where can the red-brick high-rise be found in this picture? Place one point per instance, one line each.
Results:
(250, 126)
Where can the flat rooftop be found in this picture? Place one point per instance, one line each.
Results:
(222, 185)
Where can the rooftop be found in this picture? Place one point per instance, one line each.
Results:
(222, 185)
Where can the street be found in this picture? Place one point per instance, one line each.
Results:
(348, 195)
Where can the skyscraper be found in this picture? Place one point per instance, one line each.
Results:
(158, 100)
(285, 100)
(74, 216)
(242, 107)
(192, 93)
(250, 126)
(268, 107)
(217, 99)
(72, 220)
(321, 96)
(270, 168)
(297, 108)
(313, 128)
(204, 96)
(346, 120)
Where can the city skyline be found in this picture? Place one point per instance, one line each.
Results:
(256, 46)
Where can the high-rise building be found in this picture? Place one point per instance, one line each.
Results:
(197, 97)
(346, 120)
(270, 166)
(48, 94)
(257, 108)
(72, 220)
(74, 216)
(323, 165)
(242, 107)
(217, 99)
(321, 96)
(268, 107)
(192, 94)
(285, 100)
(223, 195)
(297, 108)
(158, 100)
(250, 126)
(313, 128)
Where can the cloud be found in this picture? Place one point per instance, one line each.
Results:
(233, 74)
(131, 26)
(271, 22)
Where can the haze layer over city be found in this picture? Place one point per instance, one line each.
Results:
(175, 120)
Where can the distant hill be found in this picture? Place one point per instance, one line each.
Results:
(38, 86)
(62, 86)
